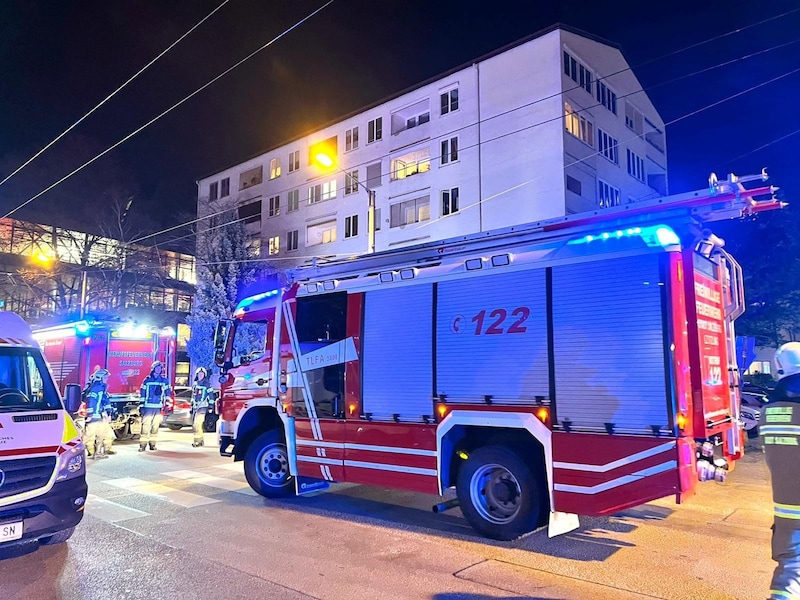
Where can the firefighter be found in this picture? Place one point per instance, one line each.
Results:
(780, 431)
(202, 400)
(155, 389)
(99, 435)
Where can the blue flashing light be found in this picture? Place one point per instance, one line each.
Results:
(253, 299)
(655, 235)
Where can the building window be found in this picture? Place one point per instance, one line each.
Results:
(654, 136)
(608, 146)
(449, 151)
(374, 175)
(377, 221)
(250, 213)
(294, 160)
(607, 195)
(576, 71)
(633, 119)
(449, 201)
(351, 139)
(314, 193)
(351, 182)
(574, 185)
(329, 190)
(321, 233)
(274, 168)
(410, 211)
(274, 245)
(351, 226)
(375, 130)
(606, 97)
(635, 166)
(250, 178)
(225, 187)
(274, 206)
(213, 191)
(329, 148)
(293, 200)
(578, 125)
(448, 101)
(291, 240)
(411, 164)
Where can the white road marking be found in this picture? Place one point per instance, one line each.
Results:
(221, 483)
(111, 511)
(161, 491)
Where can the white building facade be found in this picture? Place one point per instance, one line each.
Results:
(552, 125)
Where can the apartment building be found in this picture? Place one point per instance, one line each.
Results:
(550, 125)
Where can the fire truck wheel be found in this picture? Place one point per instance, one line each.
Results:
(266, 466)
(498, 493)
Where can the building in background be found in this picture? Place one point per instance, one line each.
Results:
(551, 125)
(50, 275)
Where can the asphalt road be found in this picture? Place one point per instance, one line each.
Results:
(182, 523)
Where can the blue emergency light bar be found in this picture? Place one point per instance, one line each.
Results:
(653, 235)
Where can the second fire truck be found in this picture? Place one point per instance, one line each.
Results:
(577, 366)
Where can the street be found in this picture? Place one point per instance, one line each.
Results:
(182, 523)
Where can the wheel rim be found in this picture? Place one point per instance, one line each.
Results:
(495, 494)
(272, 465)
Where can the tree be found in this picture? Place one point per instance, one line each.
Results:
(225, 265)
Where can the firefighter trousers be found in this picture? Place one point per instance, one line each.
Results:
(151, 421)
(98, 433)
(786, 550)
(197, 424)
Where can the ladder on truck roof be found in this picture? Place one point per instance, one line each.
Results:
(719, 201)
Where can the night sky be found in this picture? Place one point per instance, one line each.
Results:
(61, 57)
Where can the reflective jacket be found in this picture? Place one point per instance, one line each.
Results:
(155, 390)
(202, 395)
(97, 401)
(780, 429)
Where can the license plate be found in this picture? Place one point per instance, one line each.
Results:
(10, 531)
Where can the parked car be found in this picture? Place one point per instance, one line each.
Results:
(752, 405)
(178, 413)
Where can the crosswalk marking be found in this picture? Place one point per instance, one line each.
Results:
(232, 466)
(221, 483)
(158, 490)
(111, 511)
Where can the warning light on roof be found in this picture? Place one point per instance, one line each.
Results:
(543, 414)
(655, 235)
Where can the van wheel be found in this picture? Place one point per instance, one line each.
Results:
(266, 466)
(173, 427)
(499, 494)
(59, 537)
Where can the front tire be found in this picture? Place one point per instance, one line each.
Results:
(266, 466)
(59, 537)
(499, 494)
(173, 427)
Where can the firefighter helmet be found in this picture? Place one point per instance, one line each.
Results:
(155, 364)
(197, 376)
(787, 360)
(99, 374)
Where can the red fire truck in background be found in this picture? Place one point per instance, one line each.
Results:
(577, 366)
(126, 349)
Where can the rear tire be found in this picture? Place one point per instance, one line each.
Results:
(59, 537)
(266, 466)
(173, 427)
(499, 494)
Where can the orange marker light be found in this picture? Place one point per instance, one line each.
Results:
(543, 415)
(681, 421)
(352, 408)
(442, 410)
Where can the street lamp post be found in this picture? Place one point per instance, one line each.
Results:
(327, 162)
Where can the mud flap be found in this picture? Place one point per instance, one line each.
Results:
(561, 523)
(309, 485)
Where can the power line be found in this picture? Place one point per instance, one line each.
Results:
(173, 107)
(112, 94)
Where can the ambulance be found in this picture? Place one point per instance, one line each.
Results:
(42, 461)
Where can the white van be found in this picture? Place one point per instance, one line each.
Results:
(42, 461)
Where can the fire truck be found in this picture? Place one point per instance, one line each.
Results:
(576, 366)
(75, 350)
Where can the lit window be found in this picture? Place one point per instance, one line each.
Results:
(410, 211)
(274, 245)
(322, 233)
(274, 168)
(411, 164)
(578, 125)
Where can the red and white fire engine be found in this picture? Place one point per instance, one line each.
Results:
(75, 350)
(577, 366)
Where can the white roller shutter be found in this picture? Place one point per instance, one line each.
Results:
(492, 338)
(609, 344)
(396, 352)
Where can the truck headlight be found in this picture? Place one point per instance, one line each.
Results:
(71, 463)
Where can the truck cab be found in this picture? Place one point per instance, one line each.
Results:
(42, 463)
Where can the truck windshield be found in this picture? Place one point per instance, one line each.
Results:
(249, 341)
(25, 382)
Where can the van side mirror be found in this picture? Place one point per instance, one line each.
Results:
(72, 398)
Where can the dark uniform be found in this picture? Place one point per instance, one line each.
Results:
(202, 398)
(99, 435)
(155, 390)
(780, 430)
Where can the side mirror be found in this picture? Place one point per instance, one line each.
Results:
(72, 398)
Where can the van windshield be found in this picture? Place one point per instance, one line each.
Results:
(25, 382)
